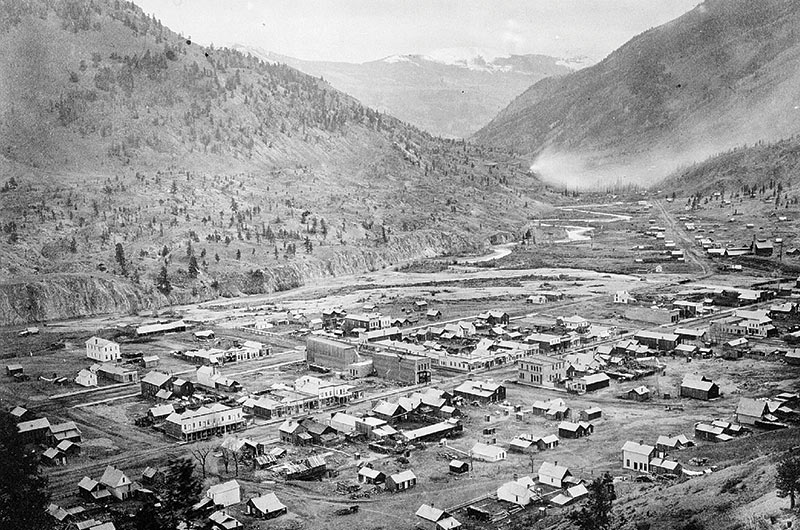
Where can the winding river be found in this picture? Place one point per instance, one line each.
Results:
(578, 232)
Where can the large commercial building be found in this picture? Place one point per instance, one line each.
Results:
(329, 353)
(413, 369)
(203, 422)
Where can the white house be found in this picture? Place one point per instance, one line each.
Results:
(488, 453)
(623, 297)
(86, 378)
(553, 474)
(343, 423)
(102, 350)
(637, 456)
(226, 493)
(117, 483)
(515, 492)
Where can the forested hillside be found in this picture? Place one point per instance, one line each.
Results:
(177, 172)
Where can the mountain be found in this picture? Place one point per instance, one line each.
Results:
(449, 93)
(742, 169)
(140, 169)
(723, 74)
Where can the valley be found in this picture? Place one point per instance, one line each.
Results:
(433, 291)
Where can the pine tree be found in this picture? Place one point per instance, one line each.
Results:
(193, 268)
(120, 256)
(162, 281)
(596, 512)
(788, 477)
(178, 493)
(23, 497)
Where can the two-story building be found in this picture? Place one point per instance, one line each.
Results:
(102, 350)
(541, 370)
(637, 456)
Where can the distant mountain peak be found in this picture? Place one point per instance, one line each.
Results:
(450, 92)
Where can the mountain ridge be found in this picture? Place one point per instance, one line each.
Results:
(720, 75)
(450, 96)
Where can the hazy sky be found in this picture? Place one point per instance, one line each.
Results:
(363, 30)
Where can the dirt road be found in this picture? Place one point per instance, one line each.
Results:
(690, 251)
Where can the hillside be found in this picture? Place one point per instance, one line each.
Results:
(719, 76)
(129, 152)
(447, 96)
(765, 163)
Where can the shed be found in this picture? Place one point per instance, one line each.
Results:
(368, 475)
(640, 393)
(458, 467)
(593, 413)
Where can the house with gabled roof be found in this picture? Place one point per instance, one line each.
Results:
(225, 493)
(69, 448)
(401, 481)
(265, 506)
(751, 411)
(515, 493)
(699, 388)
(570, 495)
(481, 391)
(487, 453)
(368, 475)
(390, 412)
(553, 474)
(34, 431)
(640, 393)
(291, 431)
(160, 412)
(548, 442)
(154, 382)
(568, 429)
(221, 520)
(54, 457)
(63, 431)
(665, 444)
(430, 515)
(319, 432)
(343, 423)
(93, 490)
(117, 483)
(661, 466)
(86, 378)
